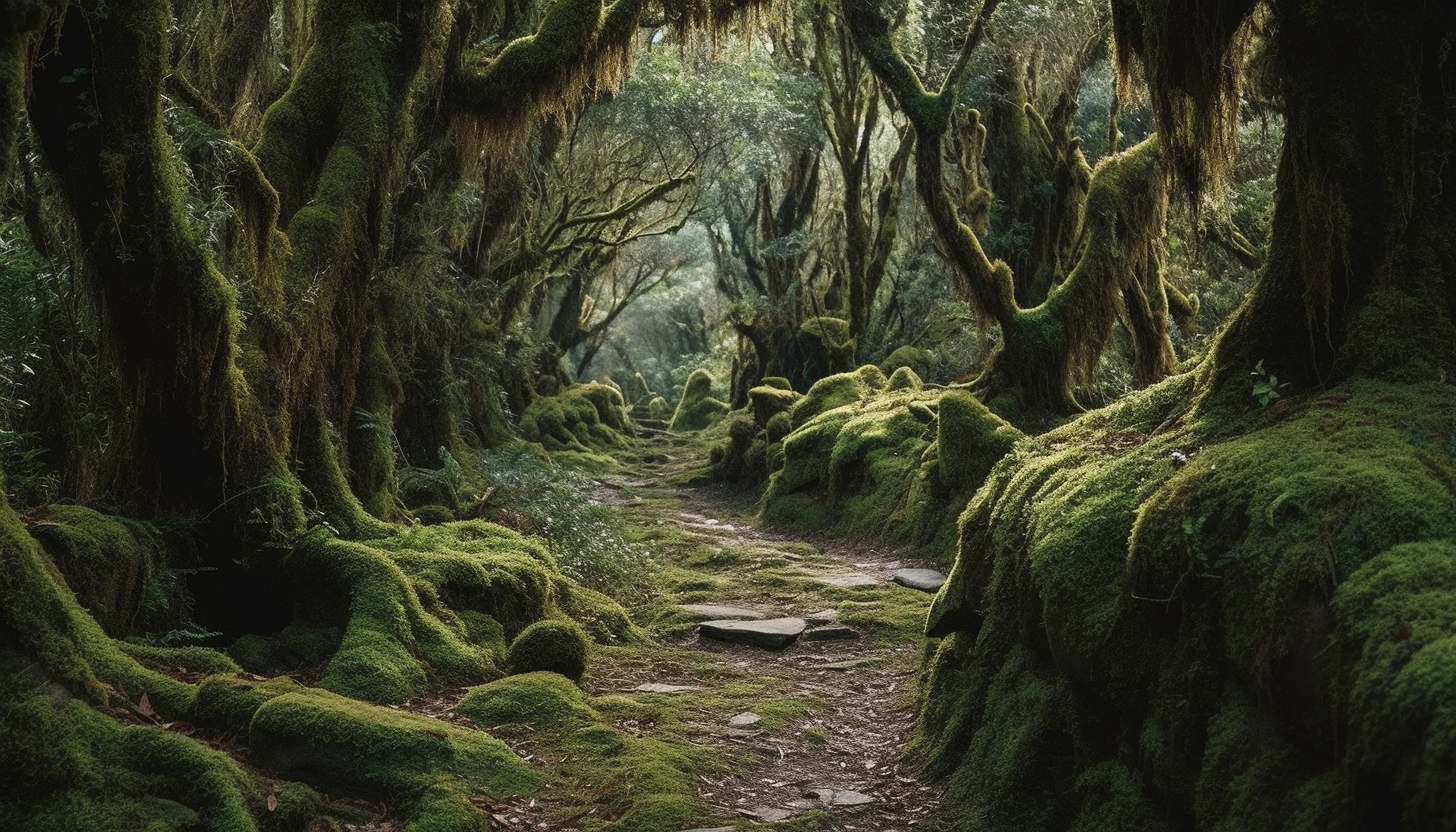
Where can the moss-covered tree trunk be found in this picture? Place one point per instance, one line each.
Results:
(1050, 349)
(195, 439)
(1362, 253)
(1197, 610)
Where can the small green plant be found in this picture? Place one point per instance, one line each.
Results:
(1266, 385)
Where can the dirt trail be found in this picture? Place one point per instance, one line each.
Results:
(836, 713)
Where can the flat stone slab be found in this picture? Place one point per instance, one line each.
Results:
(773, 633)
(847, 664)
(768, 814)
(658, 687)
(822, 617)
(716, 611)
(925, 580)
(840, 797)
(833, 632)
(744, 719)
(850, 581)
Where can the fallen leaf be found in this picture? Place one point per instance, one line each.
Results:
(272, 802)
(144, 706)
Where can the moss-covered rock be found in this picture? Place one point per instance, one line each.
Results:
(768, 402)
(904, 378)
(836, 391)
(826, 345)
(430, 605)
(583, 418)
(697, 409)
(556, 646)
(920, 361)
(969, 439)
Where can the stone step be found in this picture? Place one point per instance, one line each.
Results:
(773, 633)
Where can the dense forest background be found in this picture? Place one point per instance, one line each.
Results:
(1138, 314)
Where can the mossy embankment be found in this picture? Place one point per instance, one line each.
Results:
(1234, 618)
(863, 454)
(1160, 616)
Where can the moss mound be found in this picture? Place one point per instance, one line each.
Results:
(697, 409)
(430, 606)
(1209, 619)
(863, 454)
(585, 420)
(555, 646)
(922, 363)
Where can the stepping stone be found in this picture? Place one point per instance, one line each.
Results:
(774, 634)
(925, 580)
(767, 814)
(820, 617)
(850, 581)
(722, 611)
(837, 632)
(847, 664)
(744, 719)
(840, 797)
(658, 687)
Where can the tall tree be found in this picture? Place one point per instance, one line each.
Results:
(1049, 348)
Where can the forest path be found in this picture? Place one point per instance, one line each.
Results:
(809, 737)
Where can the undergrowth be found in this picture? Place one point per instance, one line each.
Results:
(538, 497)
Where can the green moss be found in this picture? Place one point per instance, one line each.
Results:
(922, 362)
(172, 659)
(69, 766)
(557, 646)
(969, 439)
(768, 402)
(1396, 626)
(642, 782)
(697, 409)
(583, 421)
(347, 746)
(835, 391)
(777, 428)
(741, 457)
(42, 620)
(776, 382)
(114, 567)
(856, 462)
(542, 701)
(829, 340)
(904, 378)
(1172, 576)
(433, 514)
(228, 703)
